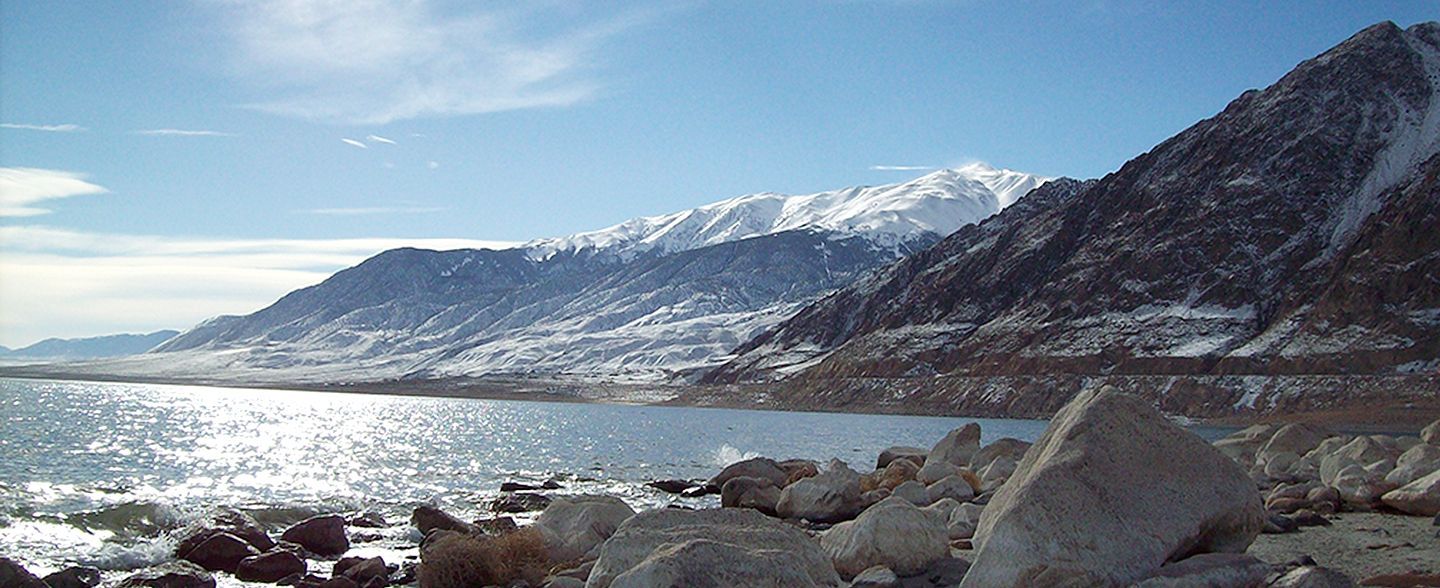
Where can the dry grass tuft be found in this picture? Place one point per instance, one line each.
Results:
(472, 561)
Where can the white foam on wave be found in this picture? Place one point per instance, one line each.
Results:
(728, 454)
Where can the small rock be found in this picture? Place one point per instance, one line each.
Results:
(1007, 447)
(322, 535)
(519, 502)
(362, 571)
(897, 473)
(876, 577)
(1211, 569)
(517, 487)
(913, 492)
(71, 577)
(949, 571)
(563, 582)
(703, 562)
(1310, 518)
(269, 567)
(954, 487)
(1431, 433)
(672, 486)
(1312, 576)
(428, 518)
(496, 525)
(1277, 524)
(827, 498)
(701, 490)
(223, 520)
(176, 574)
(369, 520)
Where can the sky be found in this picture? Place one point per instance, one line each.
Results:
(162, 162)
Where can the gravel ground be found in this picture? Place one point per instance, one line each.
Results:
(1361, 545)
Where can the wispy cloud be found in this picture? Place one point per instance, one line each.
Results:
(21, 188)
(355, 143)
(379, 139)
(64, 283)
(65, 128)
(377, 61)
(367, 210)
(901, 167)
(182, 133)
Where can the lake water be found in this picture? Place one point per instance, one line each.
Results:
(100, 473)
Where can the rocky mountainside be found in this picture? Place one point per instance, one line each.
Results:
(1290, 235)
(647, 299)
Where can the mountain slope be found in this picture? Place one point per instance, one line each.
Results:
(1286, 235)
(648, 298)
(88, 348)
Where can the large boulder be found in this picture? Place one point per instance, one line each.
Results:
(957, 447)
(1242, 445)
(935, 470)
(221, 552)
(964, 520)
(269, 567)
(427, 518)
(896, 473)
(755, 467)
(746, 492)
(703, 563)
(1421, 497)
(1111, 492)
(176, 574)
(830, 497)
(223, 520)
(954, 487)
(893, 533)
(322, 535)
(1359, 486)
(914, 455)
(913, 492)
(574, 525)
(1296, 438)
(644, 534)
(1415, 463)
(1361, 451)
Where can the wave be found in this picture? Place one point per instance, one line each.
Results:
(728, 454)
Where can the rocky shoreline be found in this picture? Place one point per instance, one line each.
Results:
(1112, 494)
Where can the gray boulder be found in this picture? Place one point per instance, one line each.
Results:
(1296, 438)
(1421, 497)
(830, 497)
(746, 492)
(1006, 447)
(953, 487)
(1431, 433)
(913, 492)
(176, 574)
(703, 563)
(957, 447)
(1214, 570)
(1415, 463)
(648, 532)
(876, 577)
(573, 525)
(893, 533)
(1112, 491)
(755, 467)
(915, 455)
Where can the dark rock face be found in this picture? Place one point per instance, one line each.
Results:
(1291, 234)
(322, 535)
(519, 502)
(73, 577)
(179, 574)
(221, 552)
(14, 574)
(224, 520)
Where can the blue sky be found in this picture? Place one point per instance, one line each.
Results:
(182, 159)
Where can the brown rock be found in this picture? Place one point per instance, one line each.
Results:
(221, 552)
(269, 567)
(322, 535)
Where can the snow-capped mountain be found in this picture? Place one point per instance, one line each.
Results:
(894, 215)
(1280, 255)
(647, 298)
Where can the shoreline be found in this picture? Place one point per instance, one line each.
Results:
(1392, 419)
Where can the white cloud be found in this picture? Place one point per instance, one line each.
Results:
(62, 283)
(379, 139)
(65, 128)
(901, 167)
(182, 133)
(355, 143)
(366, 210)
(377, 61)
(23, 187)
(432, 164)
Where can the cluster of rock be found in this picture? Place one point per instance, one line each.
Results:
(1307, 472)
(1112, 494)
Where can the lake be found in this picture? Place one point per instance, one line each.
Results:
(99, 473)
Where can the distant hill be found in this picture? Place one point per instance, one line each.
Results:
(89, 347)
